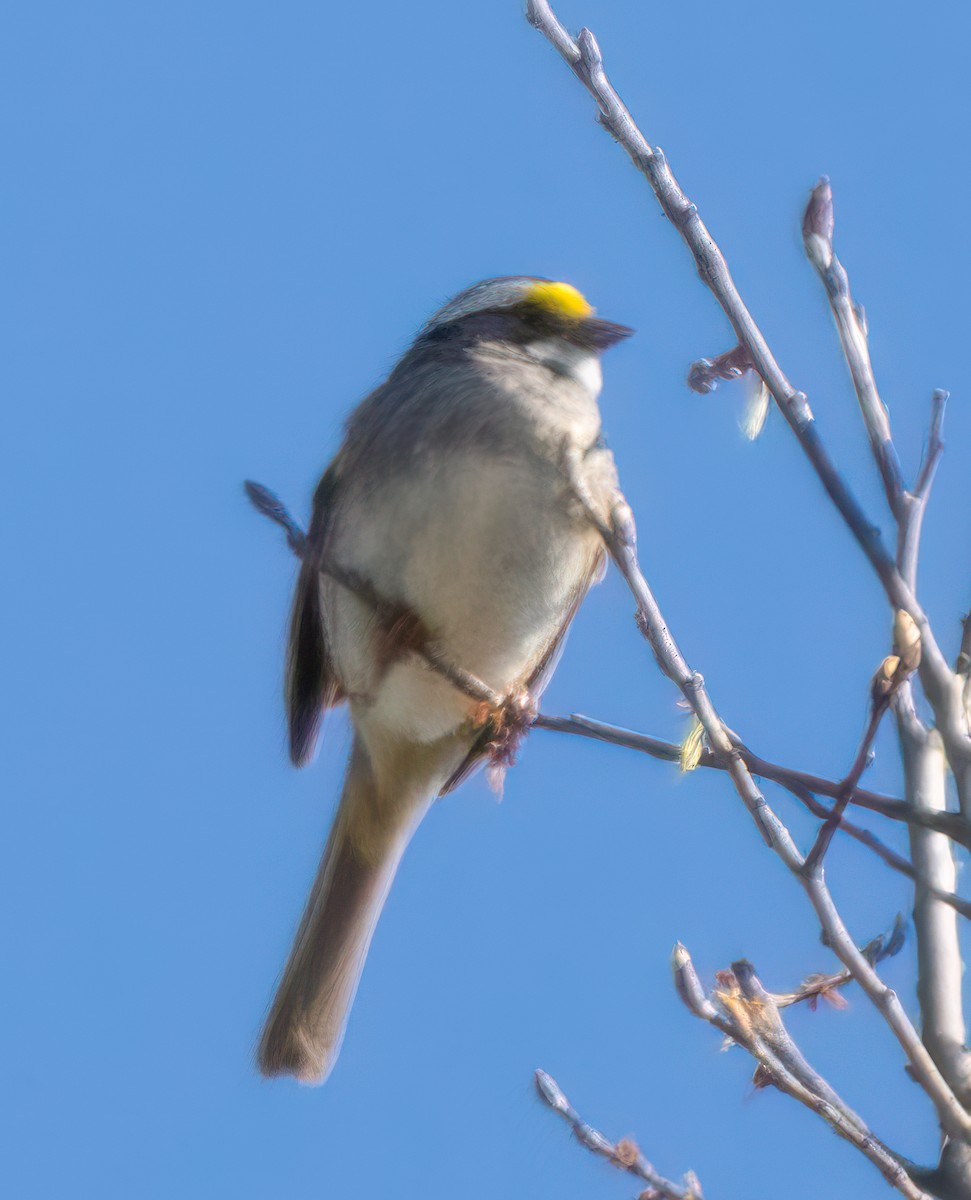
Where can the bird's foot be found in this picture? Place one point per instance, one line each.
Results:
(508, 723)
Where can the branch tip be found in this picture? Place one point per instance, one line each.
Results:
(549, 1091)
(818, 223)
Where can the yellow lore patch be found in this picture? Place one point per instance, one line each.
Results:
(560, 298)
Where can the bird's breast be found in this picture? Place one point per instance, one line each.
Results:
(488, 551)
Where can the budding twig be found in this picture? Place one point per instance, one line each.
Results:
(885, 945)
(742, 1009)
(624, 1154)
(817, 231)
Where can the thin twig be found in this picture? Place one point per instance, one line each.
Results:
(746, 1013)
(893, 860)
(907, 506)
(953, 825)
(815, 986)
(935, 444)
(803, 786)
(270, 505)
(585, 59)
(815, 856)
(624, 1154)
(890, 678)
(817, 232)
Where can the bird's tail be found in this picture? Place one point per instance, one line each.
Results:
(374, 824)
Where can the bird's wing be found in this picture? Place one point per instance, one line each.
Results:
(311, 682)
(543, 671)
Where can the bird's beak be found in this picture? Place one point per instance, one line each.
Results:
(600, 334)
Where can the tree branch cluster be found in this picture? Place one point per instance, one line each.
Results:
(742, 1008)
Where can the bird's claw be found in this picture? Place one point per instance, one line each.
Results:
(508, 724)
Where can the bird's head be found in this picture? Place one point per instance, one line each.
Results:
(528, 310)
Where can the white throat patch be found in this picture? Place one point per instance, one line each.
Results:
(583, 366)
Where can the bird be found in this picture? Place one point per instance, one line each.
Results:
(447, 519)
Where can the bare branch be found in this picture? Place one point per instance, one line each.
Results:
(893, 860)
(892, 674)
(953, 825)
(817, 232)
(848, 786)
(803, 786)
(624, 1154)
(585, 60)
(747, 1014)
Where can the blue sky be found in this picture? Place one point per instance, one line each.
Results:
(223, 222)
